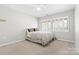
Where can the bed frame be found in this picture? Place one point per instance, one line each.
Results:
(53, 39)
(42, 44)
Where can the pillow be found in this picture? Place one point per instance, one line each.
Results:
(34, 29)
(28, 30)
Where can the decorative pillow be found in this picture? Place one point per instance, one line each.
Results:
(28, 30)
(32, 29)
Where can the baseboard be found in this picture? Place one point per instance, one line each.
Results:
(12, 42)
(66, 40)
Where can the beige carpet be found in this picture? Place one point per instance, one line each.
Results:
(27, 48)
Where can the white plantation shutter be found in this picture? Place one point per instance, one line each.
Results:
(56, 24)
(46, 26)
(61, 24)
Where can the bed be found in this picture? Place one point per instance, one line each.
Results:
(40, 37)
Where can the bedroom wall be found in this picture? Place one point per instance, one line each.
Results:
(66, 36)
(77, 26)
(14, 27)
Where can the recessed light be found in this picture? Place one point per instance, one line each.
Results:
(38, 8)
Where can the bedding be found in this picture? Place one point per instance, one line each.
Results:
(40, 37)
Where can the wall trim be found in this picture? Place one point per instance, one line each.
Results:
(8, 43)
(66, 40)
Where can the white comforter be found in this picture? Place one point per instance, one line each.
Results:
(40, 37)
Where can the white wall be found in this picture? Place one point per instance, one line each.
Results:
(77, 25)
(14, 27)
(66, 36)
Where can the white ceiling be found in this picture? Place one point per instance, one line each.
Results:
(45, 9)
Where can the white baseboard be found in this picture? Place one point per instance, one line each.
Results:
(12, 42)
(66, 40)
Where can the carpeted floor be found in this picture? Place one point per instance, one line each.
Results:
(57, 47)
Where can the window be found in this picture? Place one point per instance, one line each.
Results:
(61, 24)
(46, 26)
(55, 25)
